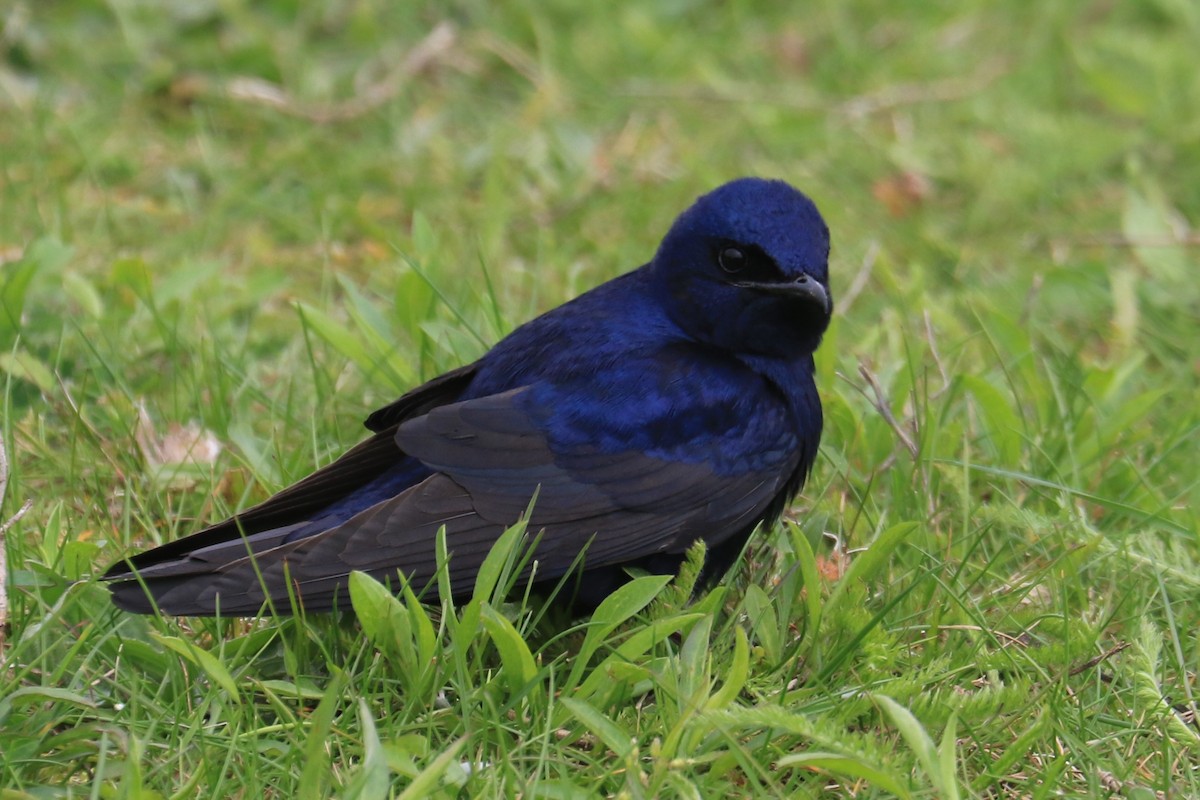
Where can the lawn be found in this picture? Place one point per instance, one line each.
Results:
(229, 230)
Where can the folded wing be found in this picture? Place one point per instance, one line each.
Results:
(489, 456)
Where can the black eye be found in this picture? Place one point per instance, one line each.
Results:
(733, 259)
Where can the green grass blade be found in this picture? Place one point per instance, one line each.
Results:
(519, 665)
(314, 776)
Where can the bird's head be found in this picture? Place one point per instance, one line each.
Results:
(745, 269)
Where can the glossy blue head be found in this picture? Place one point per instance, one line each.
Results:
(746, 269)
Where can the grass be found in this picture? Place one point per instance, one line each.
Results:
(247, 224)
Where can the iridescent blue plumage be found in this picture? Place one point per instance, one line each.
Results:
(674, 403)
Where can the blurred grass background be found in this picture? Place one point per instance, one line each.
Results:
(230, 229)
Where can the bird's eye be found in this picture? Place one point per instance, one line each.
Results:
(733, 259)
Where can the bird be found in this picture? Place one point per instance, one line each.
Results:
(674, 403)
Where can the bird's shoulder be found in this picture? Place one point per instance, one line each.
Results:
(680, 402)
(673, 400)
(589, 333)
(609, 372)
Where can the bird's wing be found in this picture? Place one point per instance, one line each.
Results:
(445, 388)
(272, 520)
(490, 457)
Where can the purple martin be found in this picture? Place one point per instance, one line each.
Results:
(674, 403)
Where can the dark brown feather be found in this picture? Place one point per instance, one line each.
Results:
(491, 459)
(312, 494)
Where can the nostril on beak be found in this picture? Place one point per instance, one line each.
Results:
(802, 279)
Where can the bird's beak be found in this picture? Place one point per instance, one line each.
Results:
(802, 288)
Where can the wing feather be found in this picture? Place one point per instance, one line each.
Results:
(259, 526)
(490, 457)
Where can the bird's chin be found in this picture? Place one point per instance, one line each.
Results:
(806, 325)
(812, 315)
